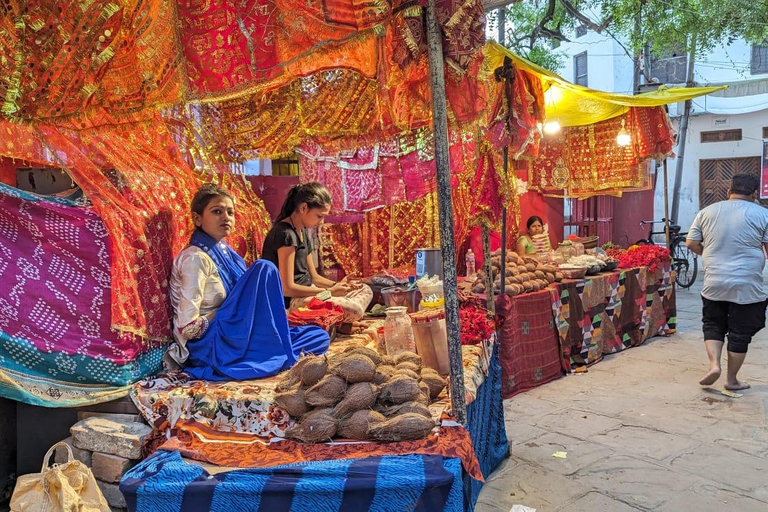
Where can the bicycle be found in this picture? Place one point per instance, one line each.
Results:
(684, 261)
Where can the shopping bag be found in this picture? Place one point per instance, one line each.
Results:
(68, 487)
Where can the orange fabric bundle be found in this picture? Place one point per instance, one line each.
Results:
(317, 312)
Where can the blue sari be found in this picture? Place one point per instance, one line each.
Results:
(249, 338)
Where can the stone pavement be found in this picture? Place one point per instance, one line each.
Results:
(640, 433)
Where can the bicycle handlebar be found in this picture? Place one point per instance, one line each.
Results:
(662, 221)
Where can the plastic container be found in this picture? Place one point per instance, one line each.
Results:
(431, 337)
(401, 296)
(470, 260)
(398, 333)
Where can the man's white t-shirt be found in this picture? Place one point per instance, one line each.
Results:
(733, 233)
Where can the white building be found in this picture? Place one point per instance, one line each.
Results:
(726, 130)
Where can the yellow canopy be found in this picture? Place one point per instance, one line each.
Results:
(575, 105)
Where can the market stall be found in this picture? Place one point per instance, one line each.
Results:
(245, 425)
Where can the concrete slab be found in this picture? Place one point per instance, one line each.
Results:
(594, 501)
(580, 454)
(652, 439)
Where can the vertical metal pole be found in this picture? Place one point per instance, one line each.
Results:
(488, 271)
(445, 209)
(683, 134)
(502, 26)
(503, 265)
(666, 202)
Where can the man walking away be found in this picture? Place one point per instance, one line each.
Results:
(731, 236)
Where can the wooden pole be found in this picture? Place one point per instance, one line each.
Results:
(445, 210)
(488, 270)
(666, 202)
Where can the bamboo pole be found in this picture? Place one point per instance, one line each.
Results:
(445, 209)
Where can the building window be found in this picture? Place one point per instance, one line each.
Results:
(765, 132)
(669, 69)
(285, 167)
(581, 31)
(759, 60)
(721, 136)
(580, 69)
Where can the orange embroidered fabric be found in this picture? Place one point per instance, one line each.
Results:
(583, 161)
(202, 443)
(141, 185)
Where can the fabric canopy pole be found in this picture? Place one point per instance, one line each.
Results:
(445, 210)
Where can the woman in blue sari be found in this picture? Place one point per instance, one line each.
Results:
(229, 321)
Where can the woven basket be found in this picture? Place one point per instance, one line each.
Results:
(589, 242)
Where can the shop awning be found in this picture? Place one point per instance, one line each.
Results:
(575, 105)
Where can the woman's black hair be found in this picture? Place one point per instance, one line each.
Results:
(532, 219)
(313, 193)
(204, 196)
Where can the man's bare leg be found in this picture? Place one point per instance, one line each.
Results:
(735, 360)
(715, 353)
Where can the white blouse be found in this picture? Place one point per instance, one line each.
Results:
(196, 290)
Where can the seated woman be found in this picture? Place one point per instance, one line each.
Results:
(288, 246)
(535, 240)
(229, 322)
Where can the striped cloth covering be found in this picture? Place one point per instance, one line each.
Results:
(166, 482)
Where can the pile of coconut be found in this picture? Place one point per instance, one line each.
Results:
(359, 394)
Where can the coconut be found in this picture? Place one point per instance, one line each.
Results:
(406, 365)
(394, 410)
(292, 376)
(383, 374)
(314, 428)
(357, 425)
(292, 402)
(399, 389)
(359, 396)
(404, 427)
(365, 351)
(326, 393)
(313, 370)
(388, 360)
(435, 382)
(410, 357)
(425, 392)
(407, 373)
(356, 368)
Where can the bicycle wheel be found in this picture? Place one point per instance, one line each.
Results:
(685, 264)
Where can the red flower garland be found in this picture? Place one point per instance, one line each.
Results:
(651, 256)
(476, 326)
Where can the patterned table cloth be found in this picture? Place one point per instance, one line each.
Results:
(610, 312)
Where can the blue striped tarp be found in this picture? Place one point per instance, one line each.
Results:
(166, 483)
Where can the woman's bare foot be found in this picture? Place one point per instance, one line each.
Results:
(736, 386)
(711, 377)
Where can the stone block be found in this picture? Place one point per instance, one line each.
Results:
(81, 415)
(112, 494)
(115, 437)
(110, 468)
(60, 455)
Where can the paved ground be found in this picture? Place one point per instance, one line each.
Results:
(640, 434)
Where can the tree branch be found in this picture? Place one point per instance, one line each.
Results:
(539, 28)
(591, 25)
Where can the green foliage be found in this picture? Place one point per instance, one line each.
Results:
(666, 25)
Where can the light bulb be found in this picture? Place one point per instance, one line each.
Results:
(623, 138)
(552, 127)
